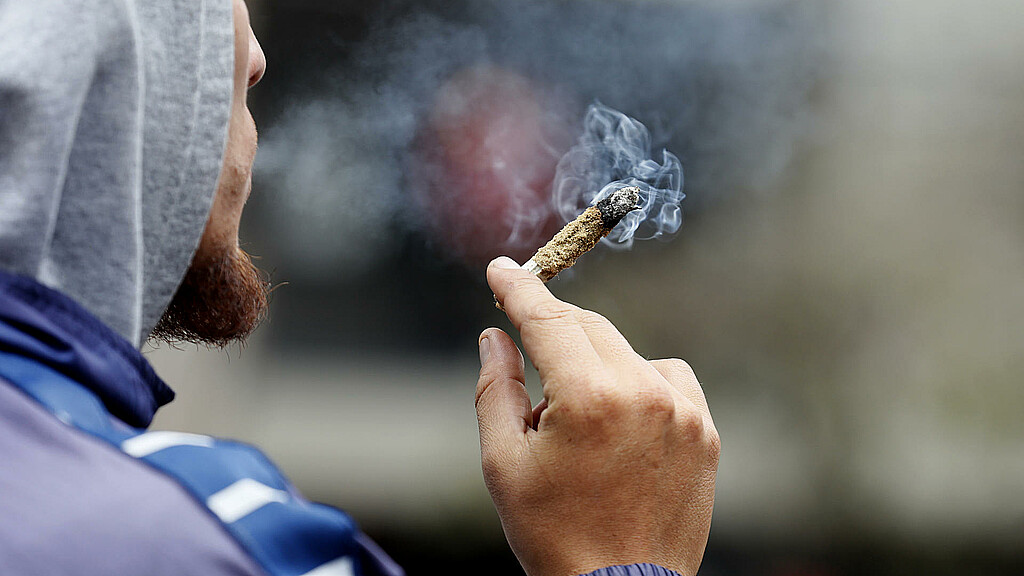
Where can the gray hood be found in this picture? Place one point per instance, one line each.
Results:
(113, 124)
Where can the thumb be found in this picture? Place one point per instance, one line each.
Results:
(502, 404)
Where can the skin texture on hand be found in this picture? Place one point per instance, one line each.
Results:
(617, 463)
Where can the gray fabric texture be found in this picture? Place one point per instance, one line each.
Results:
(113, 124)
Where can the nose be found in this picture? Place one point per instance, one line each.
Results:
(257, 60)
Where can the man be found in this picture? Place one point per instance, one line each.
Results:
(117, 192)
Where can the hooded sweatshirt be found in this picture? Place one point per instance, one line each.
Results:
(113, 124)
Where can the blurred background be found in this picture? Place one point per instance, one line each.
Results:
(848, 282)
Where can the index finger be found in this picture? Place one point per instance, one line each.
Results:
(552, 335)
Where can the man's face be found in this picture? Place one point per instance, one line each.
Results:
(223, 297)
(236, 175)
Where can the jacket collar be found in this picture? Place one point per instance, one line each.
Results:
(47, 326)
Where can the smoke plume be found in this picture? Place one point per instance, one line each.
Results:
(615, 152)
(417, 124)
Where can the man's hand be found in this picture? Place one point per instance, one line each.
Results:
(617, 463)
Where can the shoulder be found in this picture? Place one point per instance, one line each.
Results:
(71, 501)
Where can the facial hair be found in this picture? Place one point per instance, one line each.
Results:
(221, 300)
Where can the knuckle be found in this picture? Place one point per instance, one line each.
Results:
(714, 443)
(691, 426)
(547, 310)
(592, 319)
(656, 403)
(482, 385)
(593, 409)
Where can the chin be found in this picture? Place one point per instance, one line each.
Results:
(222, 299)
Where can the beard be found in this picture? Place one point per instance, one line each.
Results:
(221, 300)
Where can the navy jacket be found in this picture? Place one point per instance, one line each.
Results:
(85, 489)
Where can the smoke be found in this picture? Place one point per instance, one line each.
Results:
(335, 192)
(615, 152)
(723, 85)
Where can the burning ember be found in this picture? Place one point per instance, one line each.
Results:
(630, 195)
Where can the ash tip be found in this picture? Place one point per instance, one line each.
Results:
(619, 203)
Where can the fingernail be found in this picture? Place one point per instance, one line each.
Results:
(504, 262)
(485, 350)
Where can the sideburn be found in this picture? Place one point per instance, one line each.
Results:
(221, 300)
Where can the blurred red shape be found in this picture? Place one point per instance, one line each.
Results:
(484, 161)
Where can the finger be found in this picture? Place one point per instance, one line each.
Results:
(537, 411)
(681, 377)
(502, 403)
(551, 332)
